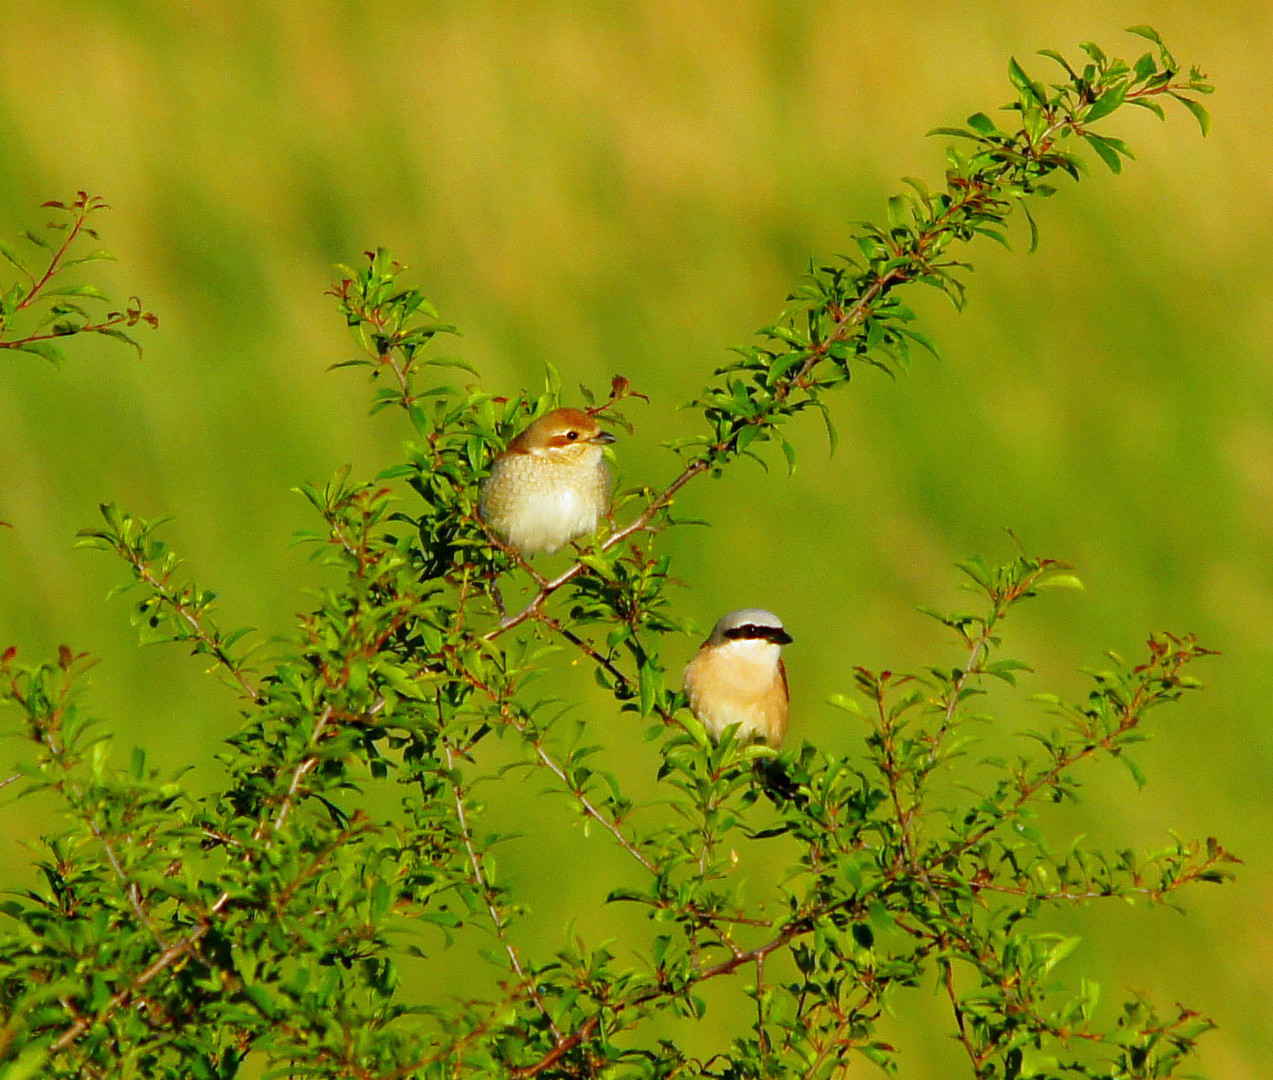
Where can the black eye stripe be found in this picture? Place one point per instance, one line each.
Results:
(752, 632)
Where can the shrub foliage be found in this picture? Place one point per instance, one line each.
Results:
(262, 928)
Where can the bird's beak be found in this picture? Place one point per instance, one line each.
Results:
(603, 438)
(779, 637)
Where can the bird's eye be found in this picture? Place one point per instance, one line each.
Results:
(572, 435)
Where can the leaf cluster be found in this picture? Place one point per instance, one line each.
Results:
(40, 307)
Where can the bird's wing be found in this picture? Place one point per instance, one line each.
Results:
(780, 721)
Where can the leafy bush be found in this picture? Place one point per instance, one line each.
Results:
(39, 308)
(263, 927)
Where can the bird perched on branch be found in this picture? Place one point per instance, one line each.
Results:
(551, 485)
(737, 677)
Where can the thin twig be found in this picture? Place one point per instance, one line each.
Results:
(762, 1038)
(165, 959)
(120, 318)
(488, 893)
(129, 886)
(965, 1039)
(1027, 790)
(851, 318)
(508, 549)
(55, 262)
(693, 469)
(555, 767)
(559, 1051)
(584, 647)
(303, 767)
(208, 640)
(668, 717)
(591, 810)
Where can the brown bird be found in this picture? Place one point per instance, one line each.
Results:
(737, 677)
(551, 485)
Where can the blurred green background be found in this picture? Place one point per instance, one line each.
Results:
(631, 188)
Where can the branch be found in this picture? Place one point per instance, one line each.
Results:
(851, 319)
(83, 207)
(165, 959)
(846, 321)
(131, 539)
(208, 640)
(611, 825)
(588, 650)
(795, 928)
(559, 1051)
(693, 469)
(488, 892)
(114, 319)
(1186, 873)
(555, 767)
(948, 980)
(304, 766)
(129, 886)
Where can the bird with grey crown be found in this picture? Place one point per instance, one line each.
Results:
(738, 677)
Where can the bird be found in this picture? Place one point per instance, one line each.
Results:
(551, 485)
(738, 677)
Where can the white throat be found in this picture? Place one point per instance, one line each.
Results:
(754, 652)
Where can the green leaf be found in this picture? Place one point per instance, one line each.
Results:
(959, 133)
(649, 683)
(1059, 581)
(381, 898)
(1106, 103)
(897, 208)
(1150, 34)
(1019, 78)
(1034, 227)
(833, 439)
(1104, 151)
(1024, 83)
(879, 1053)
(848, 704)
(77, 290)
(29, 1064)
(1146, 32)
(261, 998)
(12, 256)
(1151, 105)
(43, 349)
(1134, 769)
(1052, 54)
(1060, 951)
(119, 335)
(789, 452)
(1094, 51)
(97, 255)
(1199, 112)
